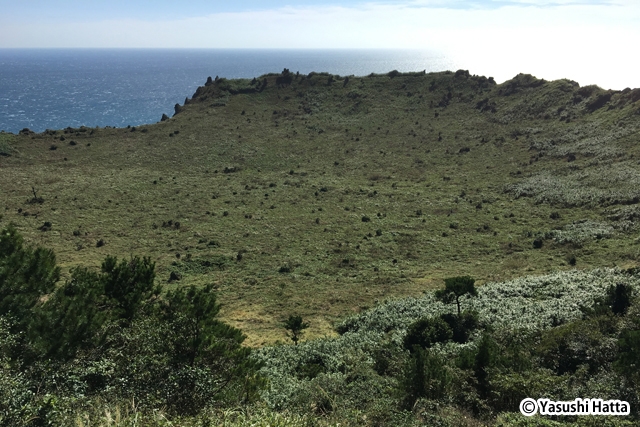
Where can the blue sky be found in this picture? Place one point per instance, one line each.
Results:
(591, 41)
(68, 10)
(147, 10)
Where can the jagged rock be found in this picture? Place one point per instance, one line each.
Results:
(209, 81)
(284, 79)
(164, 118)
(198, 92)
(177, 109)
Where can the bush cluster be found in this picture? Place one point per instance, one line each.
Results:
(556, 335)
(110, 336)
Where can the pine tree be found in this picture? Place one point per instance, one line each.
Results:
(128, 284)
(296, 326)
(26, 275)
(206, 354)
(72, 318)
(454, 288)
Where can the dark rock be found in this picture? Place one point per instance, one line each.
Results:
(284, 79)
(198, 92)
(164, 118)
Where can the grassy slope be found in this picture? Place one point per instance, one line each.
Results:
(311, 159)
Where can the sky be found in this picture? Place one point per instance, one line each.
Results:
(589, 41)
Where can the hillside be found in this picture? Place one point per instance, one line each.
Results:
(322, 195)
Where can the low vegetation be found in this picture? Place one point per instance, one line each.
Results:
(397, 249)
(111, 339)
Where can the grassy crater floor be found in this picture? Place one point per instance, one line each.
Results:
(323, 195)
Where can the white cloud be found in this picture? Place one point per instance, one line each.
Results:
(590, 43)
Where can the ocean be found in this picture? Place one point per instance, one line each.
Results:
(55, 88)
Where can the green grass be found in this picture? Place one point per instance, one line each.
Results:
(365, 190)
(6, 148)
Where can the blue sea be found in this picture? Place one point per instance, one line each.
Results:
(55, 88)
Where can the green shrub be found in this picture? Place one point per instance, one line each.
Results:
(462, 326)
(178, 356)
(565, 348)
(628, 359)
(619, 298)
(426, 332)
(26, 275)
(425, 375)
(72, 317)
(486, 357)
(128, 284)
(202, 265)
(15, 394)
(5, 149)
(519, 420)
